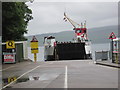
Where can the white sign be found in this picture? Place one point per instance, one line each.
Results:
(9, 58)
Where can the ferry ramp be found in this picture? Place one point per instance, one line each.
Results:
(60, 74)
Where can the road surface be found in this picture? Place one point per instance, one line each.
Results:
(59, 74)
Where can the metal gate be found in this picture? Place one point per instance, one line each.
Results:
(102, 55)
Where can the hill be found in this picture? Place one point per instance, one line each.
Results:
(96, 35)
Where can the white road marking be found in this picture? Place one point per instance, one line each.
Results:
(21, 76)
(66, 78)
(7, 68)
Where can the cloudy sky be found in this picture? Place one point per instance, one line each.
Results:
(48, 16)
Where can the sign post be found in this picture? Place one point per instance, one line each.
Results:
(34, 47)
(35, 57)
(112, 50)
(112, 36)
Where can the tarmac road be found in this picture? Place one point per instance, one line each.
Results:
(59, 74)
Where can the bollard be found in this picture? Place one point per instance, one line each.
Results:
(116, 59)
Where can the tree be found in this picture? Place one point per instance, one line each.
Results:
(15, 18)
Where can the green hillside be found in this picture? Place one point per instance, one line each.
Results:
(96, 35)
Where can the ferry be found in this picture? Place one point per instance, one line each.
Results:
(79, 49)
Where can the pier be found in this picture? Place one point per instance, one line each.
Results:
(67, 45)
(59, 74)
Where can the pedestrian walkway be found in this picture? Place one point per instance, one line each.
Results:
(9, 65)
(108, 63)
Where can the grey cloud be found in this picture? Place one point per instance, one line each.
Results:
(48, 16)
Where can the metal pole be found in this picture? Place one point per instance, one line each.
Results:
(112, 50)
(35, 57)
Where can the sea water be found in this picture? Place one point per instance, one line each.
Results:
(40, 55)
(94, 47)
(99, 47)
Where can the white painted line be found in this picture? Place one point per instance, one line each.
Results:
(21, 76)
(7, 68)
(66, 78)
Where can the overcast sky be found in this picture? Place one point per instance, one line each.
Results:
(48, 16)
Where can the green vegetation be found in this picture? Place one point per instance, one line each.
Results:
(15, 18)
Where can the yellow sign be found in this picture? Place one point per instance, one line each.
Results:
(34, 44)
(34, 50)
(34, 47)
(11, 79)
(10, 44)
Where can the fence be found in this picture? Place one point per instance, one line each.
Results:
(102, 55)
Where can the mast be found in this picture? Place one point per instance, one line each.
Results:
(80, 30)
(70, 20)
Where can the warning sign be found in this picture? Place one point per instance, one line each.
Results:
(9, 58)
(34, 39)
(10, 44)
(34, 45)
(112, 36)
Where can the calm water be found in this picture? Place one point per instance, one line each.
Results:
(94, 47)
(40, 55)
(99, 47)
